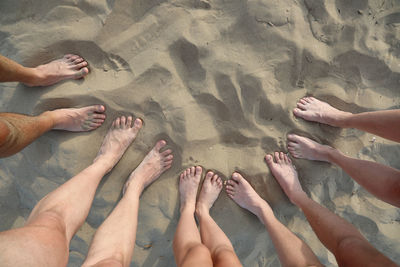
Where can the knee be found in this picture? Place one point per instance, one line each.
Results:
(4, 133)
(198, 254)
(199, 249)
(223, 254)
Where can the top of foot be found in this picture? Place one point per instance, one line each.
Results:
(68, 67)
(188, 184)
(210, 190)
(312, 109)
(152, 166)
(305, 148)
(284, 172)
(78, 119)
(244, 195)
(118, 138)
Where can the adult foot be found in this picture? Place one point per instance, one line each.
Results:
(312, 109)
(305, 148)
(188, 184)
(244, 195)
(117, 140)
(283, 171)
(210, 190)
(68, 67)
(152, 166)
(77, 119)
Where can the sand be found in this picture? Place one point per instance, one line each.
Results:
(218, 80)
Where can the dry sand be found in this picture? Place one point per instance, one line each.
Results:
(218, 79)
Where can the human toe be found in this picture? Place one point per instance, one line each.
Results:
(160, 144)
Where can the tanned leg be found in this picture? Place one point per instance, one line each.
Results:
(384, 123)
(380, 180)
(44, 240)
(114, 241)
(292, 251)
(188, 249)
(17, 131)
(68, 67)
(339, 236)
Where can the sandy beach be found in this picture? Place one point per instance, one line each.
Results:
(217, 79)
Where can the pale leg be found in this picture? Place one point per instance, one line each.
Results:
(188, 249)
(44, 240)
(114, 241)
(222, 252)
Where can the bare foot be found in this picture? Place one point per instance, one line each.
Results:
(312, 109)
(212, 186)
(118, 139)
(152, 166)
(284, 172)
(244, 195)
(77, 119)
(68, 67)
(188, 184)
(302, 147)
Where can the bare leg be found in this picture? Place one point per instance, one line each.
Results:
(340, 237)
(380, 180)
(188, 249)
(17, 131)
(44, 240)
(212, 236)
(68, 67)
(384, 123)
(114, 241)
(292, 251)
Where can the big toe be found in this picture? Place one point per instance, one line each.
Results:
(270, 160)
(81, 73)
(160, 144)
(298, 112)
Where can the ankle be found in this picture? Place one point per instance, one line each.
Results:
(187, 207)
(342, 120)
(298, 198)
(262, 209)
(33, 76)
(201, 209)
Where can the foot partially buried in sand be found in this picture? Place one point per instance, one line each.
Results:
(188, 184)
(212, 186)
(68, 67)
(118, 138)
(244, 195)
(305, 148)
(152, 166)
(312, 109)
(77, 119)
(283, 171)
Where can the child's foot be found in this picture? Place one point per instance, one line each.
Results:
(212, 186)
(244, 195)
(188, 184)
